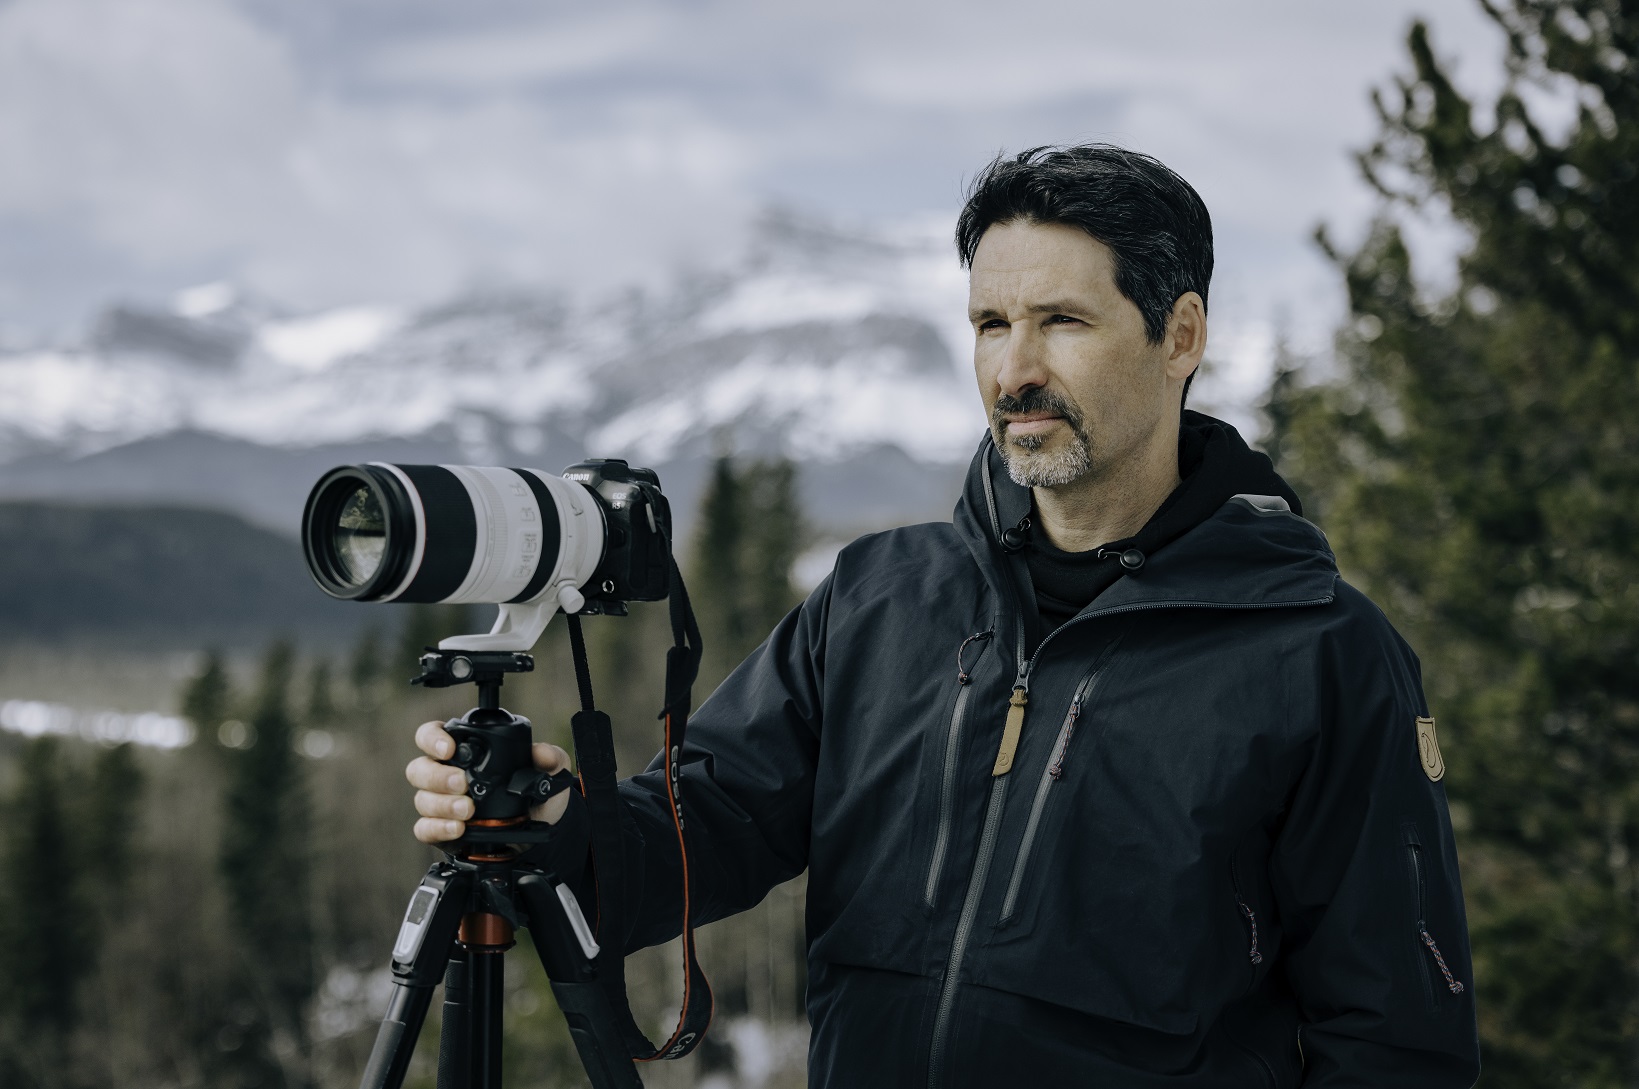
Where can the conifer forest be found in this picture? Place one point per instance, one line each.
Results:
(219, 915)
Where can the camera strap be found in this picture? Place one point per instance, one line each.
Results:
(595, 755)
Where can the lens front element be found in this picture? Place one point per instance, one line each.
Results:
(360, 536)
(359, 532)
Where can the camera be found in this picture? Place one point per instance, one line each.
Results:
(588, 541)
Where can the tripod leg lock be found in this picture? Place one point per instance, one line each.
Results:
(577, 921)
(429, 925)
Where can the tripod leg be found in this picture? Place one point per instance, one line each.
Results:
(566, 951)
(424, 941)
(454, 1040)
(471, 1054)
(488, 967)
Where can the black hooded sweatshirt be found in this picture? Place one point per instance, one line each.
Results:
(1192, 838)
(1214, 464)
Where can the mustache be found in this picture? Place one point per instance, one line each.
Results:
(1034, 401)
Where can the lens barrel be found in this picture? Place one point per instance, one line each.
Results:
(449, 533)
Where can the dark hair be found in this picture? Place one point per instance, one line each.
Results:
(1153, 221)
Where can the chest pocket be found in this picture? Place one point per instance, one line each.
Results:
(1139, 889)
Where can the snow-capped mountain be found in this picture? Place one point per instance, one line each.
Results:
(846, 352)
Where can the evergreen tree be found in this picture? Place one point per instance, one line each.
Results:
(47, 938)
(109, 815)
(208, 697)
(1476, 466)
(265, 860)
(748, 535)
(716, 573)
(774, 538)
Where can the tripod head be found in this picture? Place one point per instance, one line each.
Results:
(485, 668)
(492, 745)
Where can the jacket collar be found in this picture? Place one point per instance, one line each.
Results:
(1241, 557)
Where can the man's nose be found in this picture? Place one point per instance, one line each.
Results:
(1023, 363)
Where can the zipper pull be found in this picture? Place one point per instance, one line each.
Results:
(1010, 733)
(963, 677)
(1253, 953)
(1055, 771)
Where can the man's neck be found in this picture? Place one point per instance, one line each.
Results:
(1112, 505)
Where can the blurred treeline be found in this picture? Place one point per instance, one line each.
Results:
(1473, 455)
(220, 916)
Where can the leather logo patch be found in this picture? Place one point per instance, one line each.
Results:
(1428, 750)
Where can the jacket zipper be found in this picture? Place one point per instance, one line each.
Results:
(993, 811)
(987, 839)
(964, 930)
(1452, 983)
(947, 786)
(1050, 775)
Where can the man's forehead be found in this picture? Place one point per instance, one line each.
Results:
(1033, 257)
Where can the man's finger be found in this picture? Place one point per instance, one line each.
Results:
(433, 830)
(551, 810)
(428, 774)
(432, 739)
(549, 757)
(447, 806)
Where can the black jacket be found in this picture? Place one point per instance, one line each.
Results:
(1215, 860)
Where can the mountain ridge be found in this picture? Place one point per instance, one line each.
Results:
(831, 348)
(159, 577)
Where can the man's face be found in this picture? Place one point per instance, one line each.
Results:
(1069, 381)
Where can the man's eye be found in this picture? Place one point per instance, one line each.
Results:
(1061, 319)
(993, 323)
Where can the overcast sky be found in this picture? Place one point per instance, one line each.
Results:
(330, 152)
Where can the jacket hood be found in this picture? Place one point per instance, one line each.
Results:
(1230, 536)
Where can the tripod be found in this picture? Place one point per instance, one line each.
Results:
(462, 917)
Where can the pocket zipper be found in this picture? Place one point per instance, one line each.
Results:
(1453, 984)
(1053, 772)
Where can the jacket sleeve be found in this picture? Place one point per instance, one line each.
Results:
(1364, 872)
(747, 788)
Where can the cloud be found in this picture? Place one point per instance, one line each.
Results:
(119, 113)
(362, 152)
(187, 139)
(514, 56)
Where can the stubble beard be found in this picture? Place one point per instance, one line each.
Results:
(1029, 460)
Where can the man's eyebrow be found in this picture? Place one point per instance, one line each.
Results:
(1056, 306)
(1059, 306)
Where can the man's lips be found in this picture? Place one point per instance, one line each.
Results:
(1032, 424)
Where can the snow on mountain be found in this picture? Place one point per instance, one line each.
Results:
(821, 344)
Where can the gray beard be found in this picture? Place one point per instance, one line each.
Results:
(1030, 467)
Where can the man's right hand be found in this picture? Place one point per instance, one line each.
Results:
(441, 790)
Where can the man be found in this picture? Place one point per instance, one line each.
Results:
(1110, 781)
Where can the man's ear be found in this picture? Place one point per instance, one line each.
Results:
(1185, 340)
